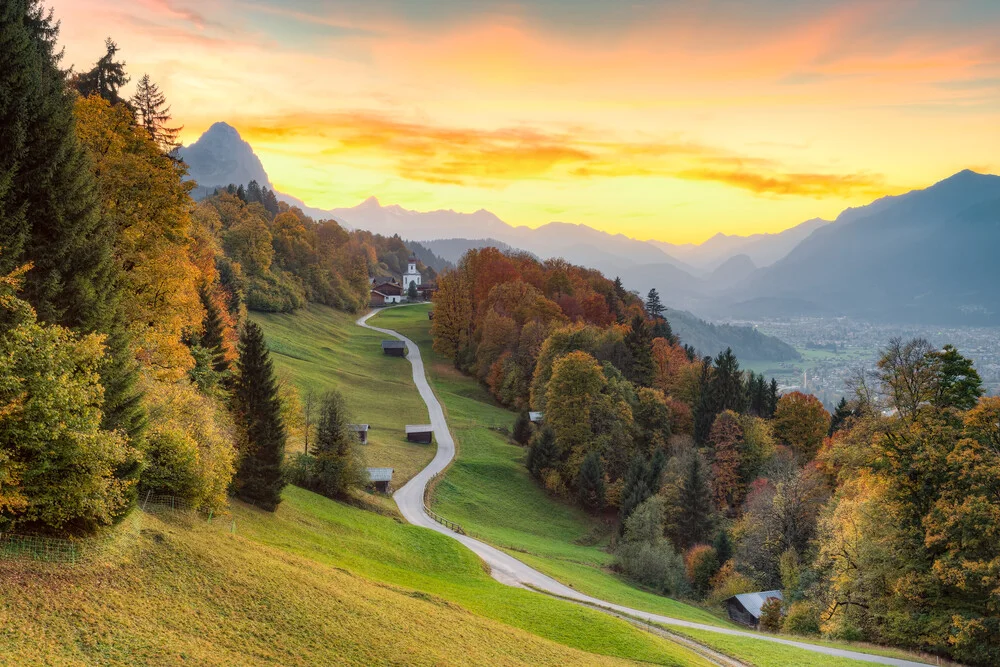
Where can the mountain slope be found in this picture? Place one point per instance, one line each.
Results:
(747, 343)
(762, 249)
(927, 256)
(220, 157)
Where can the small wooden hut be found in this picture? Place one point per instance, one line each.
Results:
(394, 348)
(380, 479)
(745, 608)
(419, 433)
(360, 430)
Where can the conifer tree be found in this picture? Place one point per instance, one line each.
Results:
(723, 546)
(639, 341)
(653, 304)
(704, 411)
(772, 399)
(522, 428)
(107, 77)
(212, 339)
(258, 413)
(840, 415)
(335, 468)
(642, 480)
(727, 383)
(590, 482)
(543, 454)
(153, 114)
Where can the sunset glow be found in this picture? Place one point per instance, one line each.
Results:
(664, 120)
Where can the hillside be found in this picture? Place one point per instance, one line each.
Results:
(746, 342)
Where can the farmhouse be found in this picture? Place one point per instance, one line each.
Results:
(385, 290)
(361, 430)
(745, 608)
(394, 348)
(419, 433)
(380, 479)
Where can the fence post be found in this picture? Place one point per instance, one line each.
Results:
(146, 503)
(232, 528)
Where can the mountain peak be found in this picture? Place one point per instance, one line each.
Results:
(222, 127)
(220, 157)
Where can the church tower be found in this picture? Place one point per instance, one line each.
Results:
(412, 275)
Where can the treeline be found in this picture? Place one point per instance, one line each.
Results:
(879, 522)
(277, 259)
(127, 366)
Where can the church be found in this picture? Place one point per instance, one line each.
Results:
(412, 276)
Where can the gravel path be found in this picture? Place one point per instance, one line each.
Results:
(507, 569)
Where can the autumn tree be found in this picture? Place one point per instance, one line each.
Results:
(153, 114)
(258, 415)
(576, 381)
(725, 440)
(801, 422)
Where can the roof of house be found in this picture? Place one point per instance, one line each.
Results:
(752, 602)
(380, 474)
(418, 428)
(536, 416)
(383, 280)
(392, 344)
(358, 427)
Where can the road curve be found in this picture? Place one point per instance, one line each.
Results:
(507, 569)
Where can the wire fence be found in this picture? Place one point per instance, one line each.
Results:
(447, 523)
(42, 548)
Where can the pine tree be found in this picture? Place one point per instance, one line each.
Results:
(153, 114)
(727, 383)
(522, 428)
(662, 329)
(590, 483)
(258, 413)
(49, 209)
(212, 339)
(543, 454)
(653, 304)
(639, 341)
(642, 480)
(840, 415)
(107, 77)
(772, 399)
(704, 411)
(335, 468)
(723, 546)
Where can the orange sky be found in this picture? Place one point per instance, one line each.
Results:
(662, 120)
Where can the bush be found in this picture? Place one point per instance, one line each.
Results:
(771, 615)
(647, 557)
(701, 563)
(802, 619)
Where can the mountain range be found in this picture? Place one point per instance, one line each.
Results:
(921, 257)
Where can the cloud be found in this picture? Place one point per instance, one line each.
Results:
(495, 158)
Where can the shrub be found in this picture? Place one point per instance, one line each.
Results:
(701, 563)
(802, 619)
(771, 615)
(647, 557)
(728, 582)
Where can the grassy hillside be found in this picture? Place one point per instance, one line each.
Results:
(321, 348)
(316, 583)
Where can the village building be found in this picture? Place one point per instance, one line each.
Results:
(394, 348)
(380, 479)
(412, 275)
(745, 608)
(419, 433)
(385, 290)
(360, 430)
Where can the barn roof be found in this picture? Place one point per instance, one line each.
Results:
(392, 344)
(380, 474)
(536, 416)
(752, 602)
(418, 428)
(358, 427)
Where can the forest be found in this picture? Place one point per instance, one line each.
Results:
(879, 522)
(128, 366)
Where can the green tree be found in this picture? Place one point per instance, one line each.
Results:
(590, 483)
(642, 480)
(522, 428)
(958, 384)
(212, 338)
(693, 511)
(106, 78)
(153, 114)
(336, 467)
(653, 304)
(639, 341)
(543, 455)
(411, 291)
(840, 415)
(258, 415)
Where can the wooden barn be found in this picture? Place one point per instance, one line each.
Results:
(419, 433)
(385, 290)
(745, 608)
(380, 479)
(360, 430)
(394, 348)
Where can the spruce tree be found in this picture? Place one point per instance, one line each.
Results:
(212, 339)
(695, 519)
(590, 483)
(335, 469)
(49, 213)
(840, 415)
(107, 77)
(258, 413)
(543, 454)
(723, 546)
(704, 409)
(639, 341)
(727, 383)
(634, 491)
(153, 114)
(522, 428)
(653, 304)
(772, 399)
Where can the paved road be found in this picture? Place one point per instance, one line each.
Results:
(507, 569)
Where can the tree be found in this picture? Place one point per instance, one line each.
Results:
(644, 555)
(725, 439)
(411, 291)
(701, 562)
(727, 383)
(653, 304)
(106, 78)
(258, 414)
(642, 480)
(704, 409)
(771, 615)
(153, 114)
(908, 372)
(840, 415)
(801, 422)
(576, 381)
(958, 384)
(57, 464)
(543, 454)
(335, 467)
(639, 341)
(522, 428)
(213, 336)
(309, 404)
(590, 483)
(691, 508)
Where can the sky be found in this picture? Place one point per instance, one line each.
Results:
(670, 120)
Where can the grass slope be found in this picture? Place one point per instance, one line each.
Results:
(316, 583)
(322, 349)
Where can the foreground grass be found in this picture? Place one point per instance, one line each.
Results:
(317, 582)
(320, 348)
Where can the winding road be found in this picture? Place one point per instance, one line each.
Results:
(508, 570)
